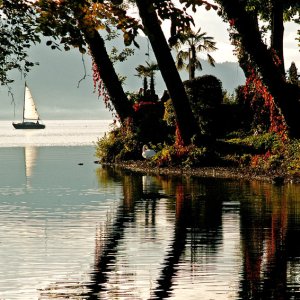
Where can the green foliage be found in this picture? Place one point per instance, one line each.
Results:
(70, 22)
(188, 156)
(204, 92)
(120, 56)
(293, 76)
(17, 34)
(263, 152)
(228, 98)
(120, 144)
(261, 142)
(205, 96)
(169, 113)
(292, 156)
(145, 72)
(190, 43)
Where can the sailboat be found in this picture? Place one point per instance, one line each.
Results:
(31, 117)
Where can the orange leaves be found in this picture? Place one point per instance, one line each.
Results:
(257, 89)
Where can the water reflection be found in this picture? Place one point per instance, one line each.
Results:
(30, 157)
(269, 232)
(191, 228)
(192, 238)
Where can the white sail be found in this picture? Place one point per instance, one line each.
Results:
(30, 112)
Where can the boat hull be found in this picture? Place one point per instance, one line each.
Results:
(28, 125)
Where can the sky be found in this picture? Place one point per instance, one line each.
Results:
(214, 26)
(54, 83)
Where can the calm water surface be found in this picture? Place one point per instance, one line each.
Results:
(72, 229)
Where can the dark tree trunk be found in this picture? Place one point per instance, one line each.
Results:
(192, 59)
(278, 30)
(152, 85)
(145, 85)
(108, 74)
(286, 96)
(185, 119)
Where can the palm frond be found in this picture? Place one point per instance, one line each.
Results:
(211, 60)
(198, 65)
(180, 63)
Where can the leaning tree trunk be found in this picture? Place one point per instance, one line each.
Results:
(277, 30)
(108, 74)
(185, 119)
(286, 96)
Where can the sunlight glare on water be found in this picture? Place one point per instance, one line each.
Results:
(56, 133)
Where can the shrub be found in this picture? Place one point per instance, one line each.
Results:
(184, 156)
(119, 144)
(205, 96)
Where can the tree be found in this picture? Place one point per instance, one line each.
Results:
(17, 34)
(293, 74)
(274, 13)
(188, 45)
(186, 122)
(145, 72)
(266, 65)
(76, 23)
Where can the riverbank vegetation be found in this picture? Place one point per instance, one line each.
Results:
(234, 135)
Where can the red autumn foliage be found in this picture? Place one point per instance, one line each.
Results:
(254, 83)
(138, 105)
(100, 87)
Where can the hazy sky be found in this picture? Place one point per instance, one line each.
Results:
(211, 23)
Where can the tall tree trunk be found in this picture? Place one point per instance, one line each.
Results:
(108, 74)
(152, 85)
(145, 85)
(185, 119)
(286, 96)
(192, 60)
(277, 30)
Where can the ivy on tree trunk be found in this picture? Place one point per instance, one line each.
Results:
(108, 74)
(286, 96)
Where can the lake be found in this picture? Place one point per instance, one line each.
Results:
(73, 229)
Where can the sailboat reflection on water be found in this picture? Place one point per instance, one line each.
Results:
(31, 117)
(30, 156)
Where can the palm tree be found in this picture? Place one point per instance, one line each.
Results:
(145, 72)
(189, 43)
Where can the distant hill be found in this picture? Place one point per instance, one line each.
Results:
(54, 83)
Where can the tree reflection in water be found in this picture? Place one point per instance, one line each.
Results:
(192, 214)
(269, 242)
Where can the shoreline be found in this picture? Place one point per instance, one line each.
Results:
(208, 172)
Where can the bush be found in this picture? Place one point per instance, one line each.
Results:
(184, 156)
(205, 95)
(119, 144)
